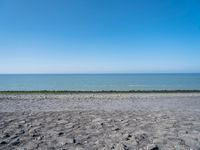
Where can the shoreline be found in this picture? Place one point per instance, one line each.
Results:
(93, 91)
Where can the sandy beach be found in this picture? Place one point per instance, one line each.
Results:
(120, 121)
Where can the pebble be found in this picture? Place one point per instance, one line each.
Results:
(60, 133)
(74, 140)
(3, 143)
(6, 135)
(125, 147)
(117, 129)
(152, 147)
(35, 135)
(155, 148)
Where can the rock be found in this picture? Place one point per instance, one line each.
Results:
(125, 147)
(35, 135)
(6, 135)
(129, 136)
(3, 143)
(155, 148)
(74, 140)
(102, 124)
(127, 139)
(113, 147)
(117, 129)
(20, 126)
(60, 133)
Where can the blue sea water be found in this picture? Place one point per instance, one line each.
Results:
(100, 82)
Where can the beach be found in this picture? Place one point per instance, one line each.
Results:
(121, 121)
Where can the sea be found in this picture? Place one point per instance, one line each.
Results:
(99, 82)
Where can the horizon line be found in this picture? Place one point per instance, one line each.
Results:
(100, 73)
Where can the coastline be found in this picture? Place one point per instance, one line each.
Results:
(95, 91)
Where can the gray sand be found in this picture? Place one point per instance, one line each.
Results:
(100, 121)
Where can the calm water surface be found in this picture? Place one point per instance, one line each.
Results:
(100, 82)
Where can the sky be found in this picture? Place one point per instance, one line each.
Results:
(99, 36)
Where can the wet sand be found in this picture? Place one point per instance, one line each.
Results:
(100, 121)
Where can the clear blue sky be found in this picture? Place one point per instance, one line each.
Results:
(99, 36)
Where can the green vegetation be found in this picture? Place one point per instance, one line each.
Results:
(112, 91)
